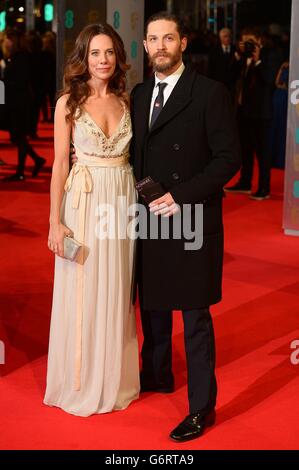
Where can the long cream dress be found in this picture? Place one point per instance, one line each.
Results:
(93, 351)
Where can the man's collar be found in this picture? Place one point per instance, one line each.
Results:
(173, 78)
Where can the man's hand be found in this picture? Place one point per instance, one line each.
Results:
(238, 56)
(240, 50)
(73, 155)
(165, 206)
(256, 54)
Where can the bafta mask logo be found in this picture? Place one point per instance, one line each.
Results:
(295, 216)
(296, 162)
(93, 16)
(134, 20)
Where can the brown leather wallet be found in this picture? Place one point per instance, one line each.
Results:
(149, 190)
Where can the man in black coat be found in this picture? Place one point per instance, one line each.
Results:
(184, 137)
(222, 61)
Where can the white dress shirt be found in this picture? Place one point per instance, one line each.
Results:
(171, 83)
(226, 49)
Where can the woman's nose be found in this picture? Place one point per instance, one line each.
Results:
(103, 59)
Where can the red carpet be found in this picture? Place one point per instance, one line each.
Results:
(258, 405)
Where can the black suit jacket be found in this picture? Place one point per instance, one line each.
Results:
(222, 67)
(192, 150)
(257, 86)
(16, 114)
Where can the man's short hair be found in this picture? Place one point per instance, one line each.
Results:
(251, 30)
(165, 15)
(225, 30)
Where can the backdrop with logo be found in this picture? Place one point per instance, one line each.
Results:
(291, 191)
(127, 17)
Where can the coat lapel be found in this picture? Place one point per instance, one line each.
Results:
(178, 100)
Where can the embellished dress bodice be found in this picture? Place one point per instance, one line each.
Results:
(92, 141)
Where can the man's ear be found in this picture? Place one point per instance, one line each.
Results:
(145, 46)
(184, 43)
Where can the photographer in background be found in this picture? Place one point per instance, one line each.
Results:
(255, 85)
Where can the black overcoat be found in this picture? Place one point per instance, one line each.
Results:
(193, 150)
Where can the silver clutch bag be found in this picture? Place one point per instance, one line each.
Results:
(71, 248)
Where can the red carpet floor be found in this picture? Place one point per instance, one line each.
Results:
(258, 405)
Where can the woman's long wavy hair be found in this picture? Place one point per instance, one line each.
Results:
(76, 74)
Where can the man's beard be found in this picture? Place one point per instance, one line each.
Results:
(174, 60)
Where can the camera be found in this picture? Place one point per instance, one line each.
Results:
(249, 48)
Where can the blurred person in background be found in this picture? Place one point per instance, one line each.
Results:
(49, 57)
(16, 74)
(254, 92)
(222, 61)
(280, 111)
(34, 46)
(2, 162)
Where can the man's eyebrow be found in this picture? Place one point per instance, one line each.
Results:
(167, 34)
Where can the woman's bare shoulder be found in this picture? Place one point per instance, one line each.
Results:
(61, 108)
(61, 103)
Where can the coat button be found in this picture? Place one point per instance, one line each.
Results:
(176, 147)
(175, 176)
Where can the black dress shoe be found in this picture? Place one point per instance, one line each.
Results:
(193, 426)
(38, 165)
(34, 136)
(260, 195)
(238, 188)
(15, 177)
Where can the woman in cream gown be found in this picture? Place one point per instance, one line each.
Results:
(93, 351)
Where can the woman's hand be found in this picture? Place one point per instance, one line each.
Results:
(57, 233)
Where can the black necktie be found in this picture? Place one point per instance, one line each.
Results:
(158, 104)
